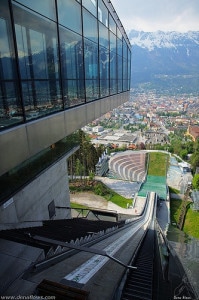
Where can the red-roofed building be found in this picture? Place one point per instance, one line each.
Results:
(193, 131)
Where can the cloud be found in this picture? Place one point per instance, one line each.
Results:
(152, 15)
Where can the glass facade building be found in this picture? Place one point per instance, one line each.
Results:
(63, 64)
(59, 54)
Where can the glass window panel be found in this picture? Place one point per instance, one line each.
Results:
(7, 67)
(7, 58)
(71, 54)
(112, 42)
(69, 15)
(113, 86)
(92, 90)
(45, 7)
(124, 49)
(10, 102)
(39, 64)
(10, 107)
(125, 74)
(90, 5)
(119, 47)
(90, 26)
(104, 72)
(125, 69)
(37, 45)
(119, 86)
(112, 24)
(113, 73)
(41, 98)
(125, 85)
(24, 63)
(104, 63)
(113, 65)
(102, 13)
(119, 34)
(103, 36)
(129, 68)
(119, 67)
(74, 93)
(104, 88)
(90, 59)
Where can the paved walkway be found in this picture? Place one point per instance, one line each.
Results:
(91, 200)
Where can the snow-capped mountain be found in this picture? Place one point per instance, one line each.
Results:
(160, 39)
(165, 58)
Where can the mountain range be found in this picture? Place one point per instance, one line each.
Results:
(166, 61)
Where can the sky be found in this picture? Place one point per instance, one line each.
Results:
(153, 15)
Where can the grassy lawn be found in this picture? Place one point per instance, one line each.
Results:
(157, 164)
(120, 201)
(175, 208)
(76, 205)
(191, 225)
(173, 190)
(80, 208)
(115, 198)
(101, 189)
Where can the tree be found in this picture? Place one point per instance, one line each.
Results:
(195, 156)
(194, 160)
(84, 160)
(195, 182)
(91, 175)
(79, 168)
(183, 154)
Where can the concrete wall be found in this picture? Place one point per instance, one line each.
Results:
(22, 142)
(31, 203)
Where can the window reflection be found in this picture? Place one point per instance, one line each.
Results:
(38, 98)
(91, 5)
(125, 66)
(124, 53)
(91, 70)
(113, 73)
(103, 36)
(125, 74)
(112, 24)
(119, 73)
(38, 62)
(71, 54)
(129, 69)
(112, 42)
(91, 59)
(53, 74)
(69, 15)
(10, 106)
(46, 8)
(72, 67)
(119, 34)
(119, 47)
(102, 13)
(10, 102)
(90, 26)
(74, 92)
(104, 72)
(92, 90)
